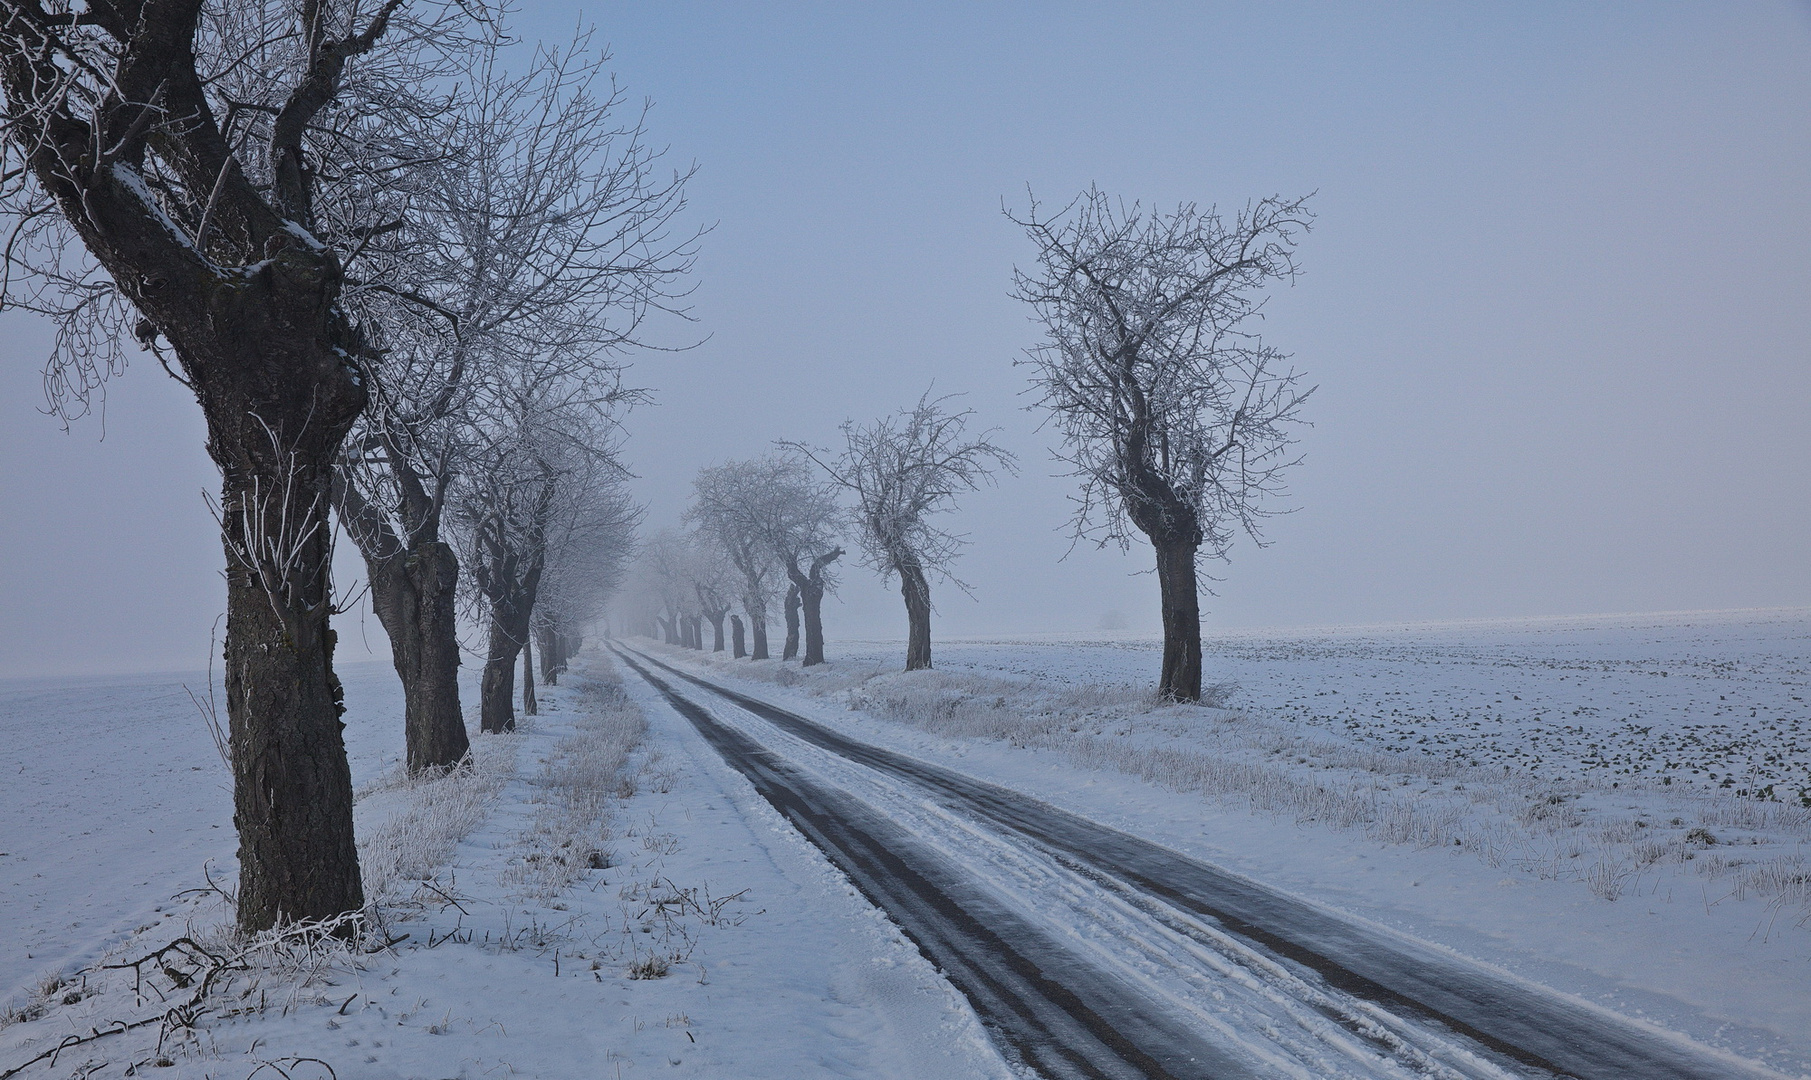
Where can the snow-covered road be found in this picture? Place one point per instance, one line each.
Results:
(1094, 953)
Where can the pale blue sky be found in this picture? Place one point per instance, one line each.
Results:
(1557, 302)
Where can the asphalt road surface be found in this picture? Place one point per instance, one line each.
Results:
(1193, 971)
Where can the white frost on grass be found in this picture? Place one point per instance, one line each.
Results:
(408, 825)
(193, 996)
(577, 790)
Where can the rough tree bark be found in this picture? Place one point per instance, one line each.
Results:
(757, 628)
(714, 610)
(548, 642)
(497, 688)
(737, 640)
(1175, 535)
(530, 707)
(512, 597)
(1181, 678)
(251, 311)
(916, 589)
(412, 592)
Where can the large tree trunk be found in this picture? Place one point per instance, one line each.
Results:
(252, 313)
(292, 788)
(553, 658)
(413, 595)
(1181, 679)
(497, 690)
(511, 618)
(812, 597)
(717, 631)
(758, 630)
(735, 627)
(530, 707)
(278, 401)
(917, 592)
(792, 623)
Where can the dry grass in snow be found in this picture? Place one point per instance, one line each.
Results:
(409, 824)
(576, 791)
(174, 1002)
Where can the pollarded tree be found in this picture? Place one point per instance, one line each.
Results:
(726, 507)
(1176, 418)
(713, 582)
(904, 470)
(663, 565)
(544, 455)
(774, 506)
(588, 549)
(798, 520)
(204, 177)
(542, 240)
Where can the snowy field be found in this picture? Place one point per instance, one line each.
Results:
(1500, 790)
(1391, 772)
(116, 800)
(1705, 699)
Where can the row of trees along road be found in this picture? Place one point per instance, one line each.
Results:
(394, 274)
(772, 521)
(1176, 418)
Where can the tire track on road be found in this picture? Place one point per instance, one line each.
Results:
(1060, 1016)
(1504, 1017)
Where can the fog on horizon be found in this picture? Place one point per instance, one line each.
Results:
(1555, 302)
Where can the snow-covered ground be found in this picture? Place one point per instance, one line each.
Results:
(1698, 698)
(1388, 772)
(115, 799)
(712, 941)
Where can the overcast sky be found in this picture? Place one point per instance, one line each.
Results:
(1558, 304)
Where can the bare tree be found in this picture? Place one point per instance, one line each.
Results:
(772, 512)
(587, 555)
(542, 241)
(728, 506)
(545, 459)
(903, 471)
(664, 569)
(713, 582)
(798, 521)
(206, 178)
(1174, 416)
